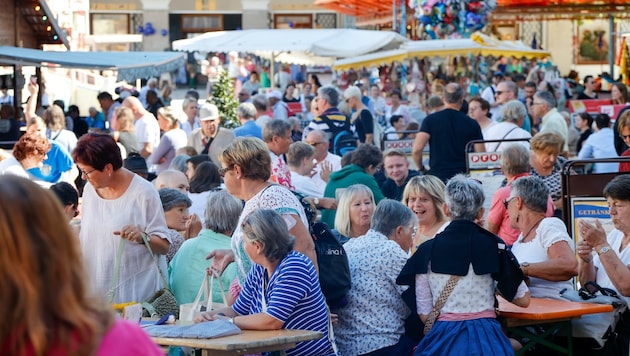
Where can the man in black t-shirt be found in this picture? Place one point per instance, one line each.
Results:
(447, 132)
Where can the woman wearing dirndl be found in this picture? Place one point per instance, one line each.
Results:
(458, 269)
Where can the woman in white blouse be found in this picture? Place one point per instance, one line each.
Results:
(544, 249)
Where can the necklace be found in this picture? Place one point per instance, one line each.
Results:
(532, 228)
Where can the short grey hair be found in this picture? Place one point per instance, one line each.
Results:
(173, 198)
(513, 111)
(246, 110)
(453, 93)
(389, 215)
(180, 163)
(546, 97)
(515, 159)
(297, 152)
(222, 212)
(352, 92)
(187, 100)
(533, 192)
(330, 94)
(268, 228)
(511, 86)
(464, 198)
(260, 102)
(275, 127)
(325, 136)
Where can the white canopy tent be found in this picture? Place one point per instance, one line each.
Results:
(298, 46)
(478, 44)
(128, 65)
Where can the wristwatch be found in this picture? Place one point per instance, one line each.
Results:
(524, 265)
(316, 201)
(603, 250)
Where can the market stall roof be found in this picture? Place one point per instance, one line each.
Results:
(299, 46)
(129, 65)
(478, 44)
(511, 10)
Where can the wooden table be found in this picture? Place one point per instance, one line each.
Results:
(248, 342)
(556, 313)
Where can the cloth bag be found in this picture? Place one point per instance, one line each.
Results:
(187, 311)
(161, 303)
(599, 327)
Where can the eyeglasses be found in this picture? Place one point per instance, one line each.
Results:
(314, 144)
(498, 92)
(506, 202)
(86, 174)
(224, 170)
(625, 137)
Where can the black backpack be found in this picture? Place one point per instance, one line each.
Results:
(334, 270)
(342, 139)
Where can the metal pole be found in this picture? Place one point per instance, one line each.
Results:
(393, 15)
(611, 45)
(403, 18)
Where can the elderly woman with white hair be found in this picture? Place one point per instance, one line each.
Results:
(188, 268)
(465, 263)
(362, 117)
(513, 113)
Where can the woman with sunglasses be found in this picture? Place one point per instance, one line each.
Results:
(246, 171)
(544, 250)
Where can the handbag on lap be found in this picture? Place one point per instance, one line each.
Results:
(599, 327)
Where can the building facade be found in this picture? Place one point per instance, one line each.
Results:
(151, 25)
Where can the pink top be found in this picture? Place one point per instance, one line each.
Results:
(125, 338)
(498, 214)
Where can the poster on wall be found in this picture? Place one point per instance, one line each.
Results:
(589, 209)
(592, 46)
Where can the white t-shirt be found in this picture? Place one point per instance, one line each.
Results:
(336, 165)
(305, 185)
(503, 131)
(614, 239)
(549, 232)
(147, 129)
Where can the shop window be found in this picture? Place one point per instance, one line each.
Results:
(293, 21)
(109, 24)
(193, 25)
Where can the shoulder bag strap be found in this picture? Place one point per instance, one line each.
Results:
(437, 308)
(112, 291)
(503, 138)
(145, 238)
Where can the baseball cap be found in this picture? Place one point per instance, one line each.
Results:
(498, 74)
(208, 112)
(274, 94)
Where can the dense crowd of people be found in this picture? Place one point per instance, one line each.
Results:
(190, 196)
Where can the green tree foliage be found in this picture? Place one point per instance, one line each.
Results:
(223, 98)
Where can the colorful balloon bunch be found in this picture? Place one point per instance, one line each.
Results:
(149, 30)
(451, 18)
